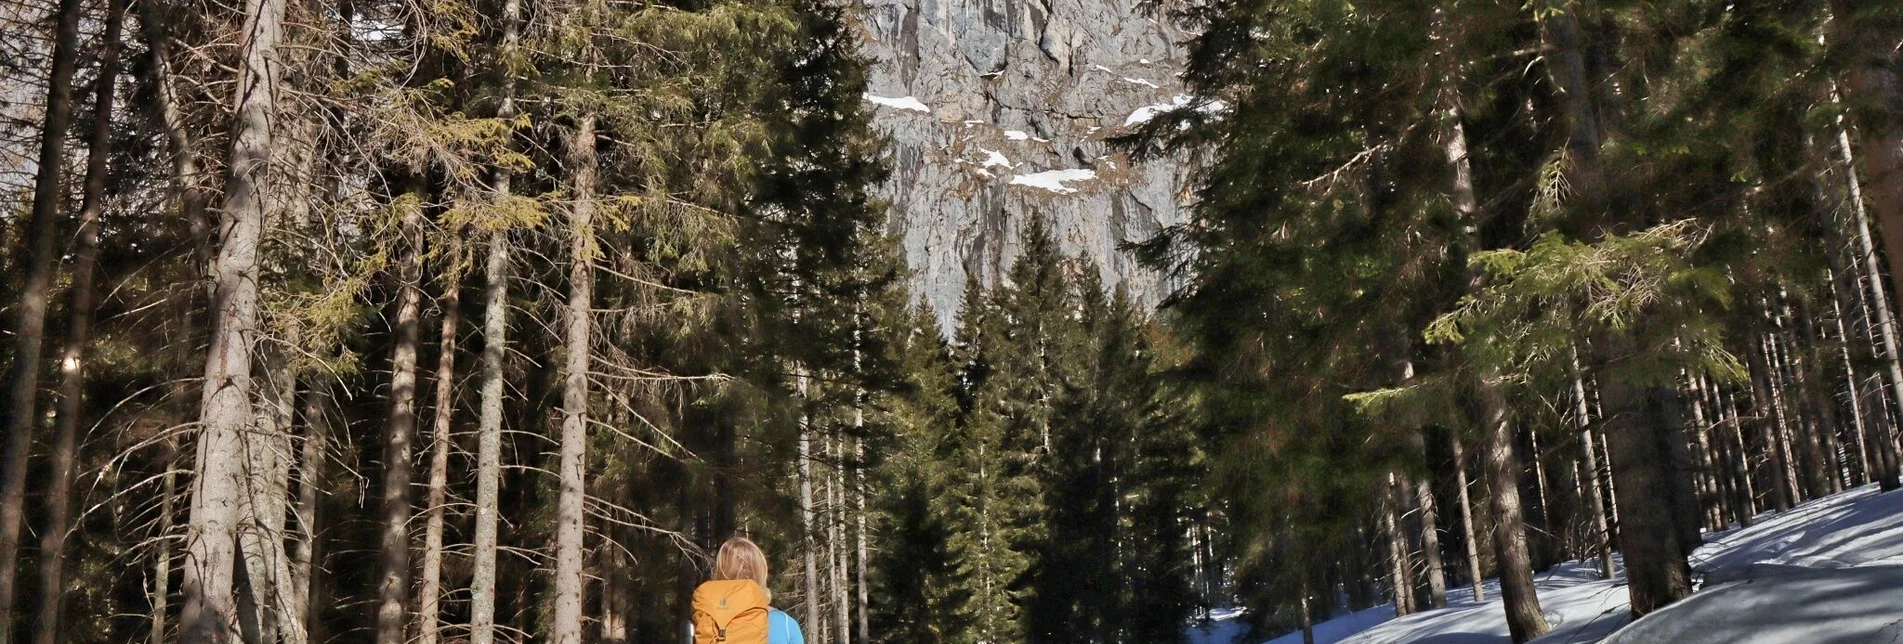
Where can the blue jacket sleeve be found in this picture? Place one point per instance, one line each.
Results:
(783, 629)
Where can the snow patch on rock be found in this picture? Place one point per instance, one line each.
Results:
(1054, 180)
(900, 103)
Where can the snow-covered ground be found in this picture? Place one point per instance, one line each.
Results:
(1830, 570)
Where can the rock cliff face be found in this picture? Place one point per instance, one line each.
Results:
(998, 110)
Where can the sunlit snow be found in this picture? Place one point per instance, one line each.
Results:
(1147, 112)
(1016, 135)
(993, 158)
(1054, 180)
(1830, 570)
(1139, 81)
(901, 103)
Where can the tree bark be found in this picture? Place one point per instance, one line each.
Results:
(1770, 419)
(72, 364)
(429, 591)
(1400, 564)
(162, 546)
(1740, 464)
(20, 413)
(1602, 533)
(808, 553)
(1525, 620)
(570, 510)
(1467, 521)
(1866, 34)
(306, 561)
(495, 337)
(1883, 321)
(1430, 545)
(210, 612)
(1649, 534)
(1861, 471)
(393, 585)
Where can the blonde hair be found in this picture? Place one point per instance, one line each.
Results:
(740, 558)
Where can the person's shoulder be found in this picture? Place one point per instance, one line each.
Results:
(783, 627)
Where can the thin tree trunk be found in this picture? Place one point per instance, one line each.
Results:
(805, 467)
(1602, 533)
(72, 364)
(1857, 30)
(162, 547)
(191, 197)
(1308, 620)
(39, 233)
(393, 585)
(495, 336)
(1400, 565)
(1524, 619)
(570, 511)
(1820, 408)
(1861, 472)
(305, 562)
(1430, 545)
(1708, 495)
(1741, 465)
(1877, 302)
(211, 558)
(1467, 521)
(1461, 191)
(429, 592)
(836, 545)
(1770, 416)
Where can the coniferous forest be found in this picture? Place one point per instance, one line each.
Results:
(490, 320)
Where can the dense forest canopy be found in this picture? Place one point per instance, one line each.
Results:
(491, 320)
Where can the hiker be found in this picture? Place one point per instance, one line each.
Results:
(732, 607)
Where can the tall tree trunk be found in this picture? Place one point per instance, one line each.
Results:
(429, 591)
(1602, 533)
(1649, 534)
(836, 545)
(1467, 528)
(1819, 406)
(307, 560)
(72, 364)
(162, 546)
(808, 549)
(23, 377)
(1430, 545)
(1708, 495)
(1878, 303)
(1861, 470)
(570, 510)
(495, 337)
(1522, 603)
(211, 557)
(393, 577)
(1741, 464)
(190, 196)
(1461, 192)
(1525, 620)
(265, 566)
(1769, 419)
(1639, 420)
(1865, 32)
(1400, 564)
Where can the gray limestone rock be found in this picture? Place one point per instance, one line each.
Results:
(997, 110)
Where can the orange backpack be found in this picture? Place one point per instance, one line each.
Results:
(730, 612)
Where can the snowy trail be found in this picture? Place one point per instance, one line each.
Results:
(1830, 570)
